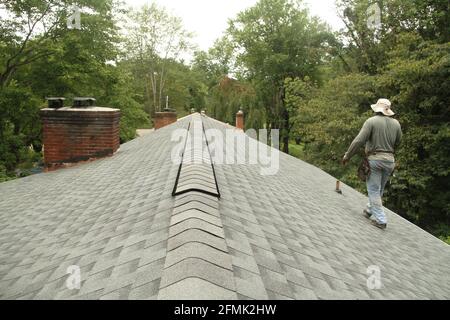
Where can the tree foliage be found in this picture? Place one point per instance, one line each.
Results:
(276, 39)
(40, 57)
(154, 38)
(408, 62)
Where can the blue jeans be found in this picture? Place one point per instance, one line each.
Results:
(380, 171)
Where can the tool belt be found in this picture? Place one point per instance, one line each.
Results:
(364, 166)
(364, 169)
(371, 153)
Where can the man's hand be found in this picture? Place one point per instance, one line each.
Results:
(344, 161)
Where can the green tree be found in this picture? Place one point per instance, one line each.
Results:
(215, 64)
(154, 37)
(29, 28)
(329, 117)
(277, 39)
(40, 57)
(407, 60)
(229, 96)
(367, 48)
(225, 95)
(417, 80)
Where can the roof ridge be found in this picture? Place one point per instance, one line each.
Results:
(196, 171)
(197, 253)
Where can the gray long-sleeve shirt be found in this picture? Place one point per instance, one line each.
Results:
(379, 133)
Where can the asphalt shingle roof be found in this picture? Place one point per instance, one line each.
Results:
(227, 233)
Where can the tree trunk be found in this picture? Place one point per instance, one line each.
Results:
(286, 143)
(286, 132)
(6, 77)
(161, 85)
(147, 91)
(285, 117)
(153, 83)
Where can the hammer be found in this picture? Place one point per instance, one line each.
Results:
(338, 187)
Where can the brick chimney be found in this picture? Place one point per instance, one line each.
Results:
(79, 133)
(240, 120)
(164, 118)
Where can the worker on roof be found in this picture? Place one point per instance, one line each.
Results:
(381, 135)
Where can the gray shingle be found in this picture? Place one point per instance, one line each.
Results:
(196, 235)
(198, 268)
(195, 289)
(201, 251)
(196, 205)
(196, 196)
(147, 291)
(194, 213)
(194, 223)
(243, 260)
(249, 284)
(267, 237)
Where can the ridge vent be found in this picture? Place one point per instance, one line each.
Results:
(196, 171)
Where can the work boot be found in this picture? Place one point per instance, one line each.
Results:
(379, 225)
(367, 213)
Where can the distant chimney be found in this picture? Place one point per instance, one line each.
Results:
(79, 133)
(240, 120)
(164, 118)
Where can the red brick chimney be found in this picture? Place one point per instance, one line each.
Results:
(79, 133)
(240, 120)
(164, 118)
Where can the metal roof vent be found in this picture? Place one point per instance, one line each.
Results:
(55, 102)
(81, 102)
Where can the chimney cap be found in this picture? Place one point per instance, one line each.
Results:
(83, 102)
(55, 102)
(55, 98)
(240, 111)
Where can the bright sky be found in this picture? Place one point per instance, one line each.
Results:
(208, 19)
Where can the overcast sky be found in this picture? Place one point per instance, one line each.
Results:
(208, 18)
